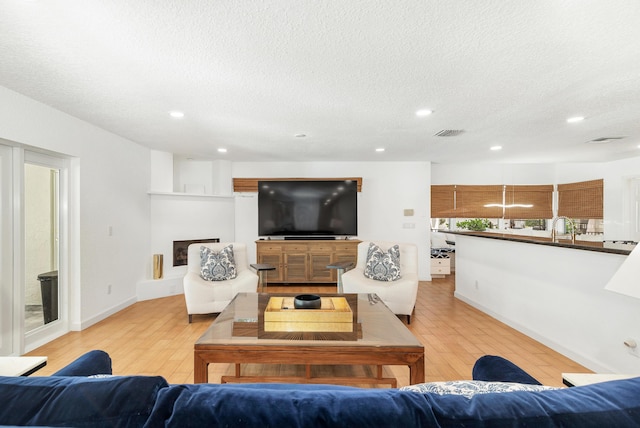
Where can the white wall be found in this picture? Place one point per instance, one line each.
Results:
(487, 173)
(620, 212)
(184, 217)
(112, 177)
(387, 189)
(555, 295)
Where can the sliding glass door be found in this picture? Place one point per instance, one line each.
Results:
(43, 286)
(41, 294)
(33, 250)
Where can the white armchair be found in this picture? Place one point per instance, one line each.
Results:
(208, 297)
(399, 295)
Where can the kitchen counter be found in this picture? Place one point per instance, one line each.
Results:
(602, 247)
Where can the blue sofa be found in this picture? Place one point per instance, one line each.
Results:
(73, 397)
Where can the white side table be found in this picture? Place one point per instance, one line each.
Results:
(21, 366)
(581, 379)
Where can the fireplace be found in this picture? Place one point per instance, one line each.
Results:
(180, 249)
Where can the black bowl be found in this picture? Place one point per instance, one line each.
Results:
(307, 301)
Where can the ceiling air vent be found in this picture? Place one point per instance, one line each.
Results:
(449, 133)
(604, 140)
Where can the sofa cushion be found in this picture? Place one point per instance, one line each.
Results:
(607, 404)
(217, 265)
(469, 388)
(78, 401)
(269, 405)
(383, 265)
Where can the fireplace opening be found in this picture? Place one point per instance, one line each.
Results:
(180, 249)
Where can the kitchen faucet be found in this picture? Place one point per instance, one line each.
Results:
(554, 237)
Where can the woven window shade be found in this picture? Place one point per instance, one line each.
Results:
(443, 201)
(581, 200)
(251, 184)
(541, 197)
(471, 201)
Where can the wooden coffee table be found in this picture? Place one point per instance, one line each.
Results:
(385, 341)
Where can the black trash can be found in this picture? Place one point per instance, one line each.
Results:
(49, 289)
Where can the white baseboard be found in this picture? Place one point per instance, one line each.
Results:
(103, 315)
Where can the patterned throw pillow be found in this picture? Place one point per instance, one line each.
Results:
(217, 265)
(469, 388)
(383, 265)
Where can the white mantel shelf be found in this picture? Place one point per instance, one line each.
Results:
(188, 195)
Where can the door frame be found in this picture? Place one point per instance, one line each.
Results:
(6, 250)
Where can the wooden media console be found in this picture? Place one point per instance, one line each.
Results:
(305, 261)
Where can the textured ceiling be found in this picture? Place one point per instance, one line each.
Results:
(250, 75)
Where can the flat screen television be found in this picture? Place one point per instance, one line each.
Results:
(308, 208)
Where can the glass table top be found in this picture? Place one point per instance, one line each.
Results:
(380, 326)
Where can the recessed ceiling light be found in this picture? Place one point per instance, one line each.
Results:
(423, 112)
(575, 119)
(495, 148)
(380, 149)
(222, 150)
(176, 114)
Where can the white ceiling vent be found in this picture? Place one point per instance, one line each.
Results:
(449, 133)
(604, 140)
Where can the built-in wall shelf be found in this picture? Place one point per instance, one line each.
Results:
(188, 195)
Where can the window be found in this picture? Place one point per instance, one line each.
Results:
(521, 206)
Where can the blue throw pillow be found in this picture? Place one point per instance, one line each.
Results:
(57, 401)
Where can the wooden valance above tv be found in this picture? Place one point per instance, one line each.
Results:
(251, 184)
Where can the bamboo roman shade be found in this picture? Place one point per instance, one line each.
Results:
(443, 201)
(540, 196)
(472, 201)
(251, 184)
(581, 200)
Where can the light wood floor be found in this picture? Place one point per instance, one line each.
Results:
(154, 338)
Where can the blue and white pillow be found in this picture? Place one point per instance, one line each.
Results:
(217, 265)
(469, 388)
(383, 265)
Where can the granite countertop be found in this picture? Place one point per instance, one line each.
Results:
(600, 247)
